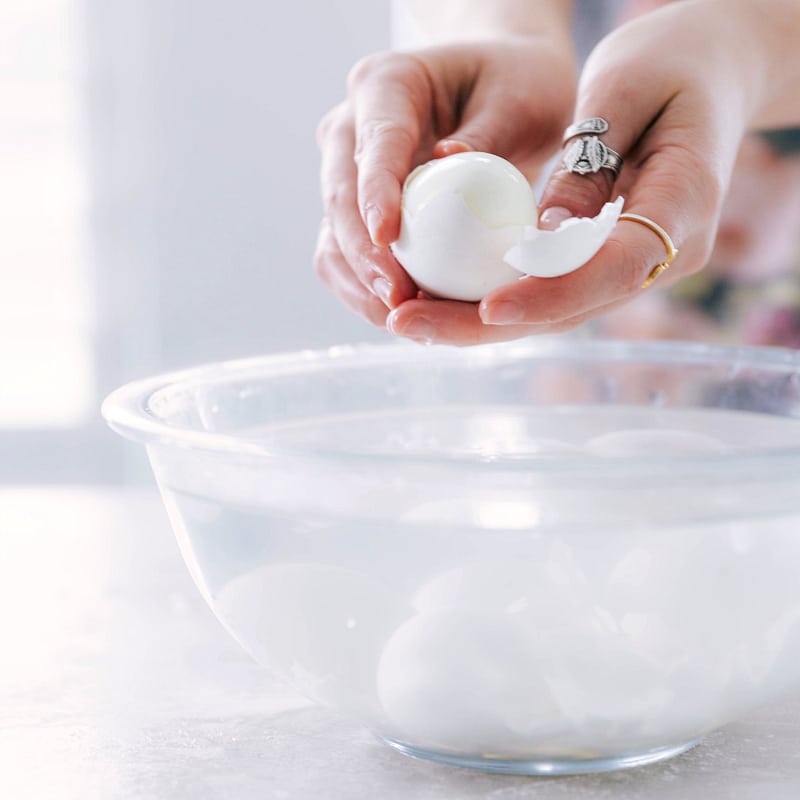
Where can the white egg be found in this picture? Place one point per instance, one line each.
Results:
(654, 442)
(464, 680)
(461, 214)
(549, 591)
(469, 226)
(319, 627)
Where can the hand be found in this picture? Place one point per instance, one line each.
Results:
(679, 87)
(511, 97)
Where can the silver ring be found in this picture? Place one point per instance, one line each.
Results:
(595, 125)
(588, 155)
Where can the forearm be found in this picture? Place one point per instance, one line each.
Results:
(447, 21)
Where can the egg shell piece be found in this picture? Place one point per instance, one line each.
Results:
(550, 254)
(450, 253)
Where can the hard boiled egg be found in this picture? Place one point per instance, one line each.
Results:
(469, 226)
(319, 626)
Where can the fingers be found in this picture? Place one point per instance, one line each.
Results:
(449, 322)
(616, 273)
(677, 186)
(334, 271)
(502, 115)
(398, 106)
(675, 190)
(629, 107)
(680, 149)
(391, 101)
(368, 145)
(374, 267)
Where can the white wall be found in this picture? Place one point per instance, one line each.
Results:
(198, 121)
(206, 151)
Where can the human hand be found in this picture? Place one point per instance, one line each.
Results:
(679, 87)
(509, 96)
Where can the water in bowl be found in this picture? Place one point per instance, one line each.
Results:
(544, 628)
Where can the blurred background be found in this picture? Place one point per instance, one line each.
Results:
(158, 203)
(159, 206)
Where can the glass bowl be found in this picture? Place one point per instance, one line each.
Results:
(555, 556)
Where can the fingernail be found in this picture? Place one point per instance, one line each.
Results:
(383, 289)
(552, 217)
(446, 147)
(417, 328)
(505, 313)
(373, 218)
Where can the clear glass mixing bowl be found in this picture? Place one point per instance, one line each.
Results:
(555, 556)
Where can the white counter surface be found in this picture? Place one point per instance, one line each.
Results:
(116, 681)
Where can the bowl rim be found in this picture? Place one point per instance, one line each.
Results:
(126, 408)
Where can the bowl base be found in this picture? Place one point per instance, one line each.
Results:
(545, 766)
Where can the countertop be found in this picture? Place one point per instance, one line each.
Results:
(116, 681)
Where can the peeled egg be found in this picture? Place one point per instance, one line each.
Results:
(469, 226)
(461, 214)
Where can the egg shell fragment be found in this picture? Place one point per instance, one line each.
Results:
(550, 254)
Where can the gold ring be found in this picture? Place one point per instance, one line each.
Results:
(672, 251)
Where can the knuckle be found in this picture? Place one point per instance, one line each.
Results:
(331, 197)
(336, 121)
(328, 260)
(375, 312)
(338, 197)
(633, 261)
(325, 124)
(372, 183)
(322, 267)
(374, 132)
(370, 66)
